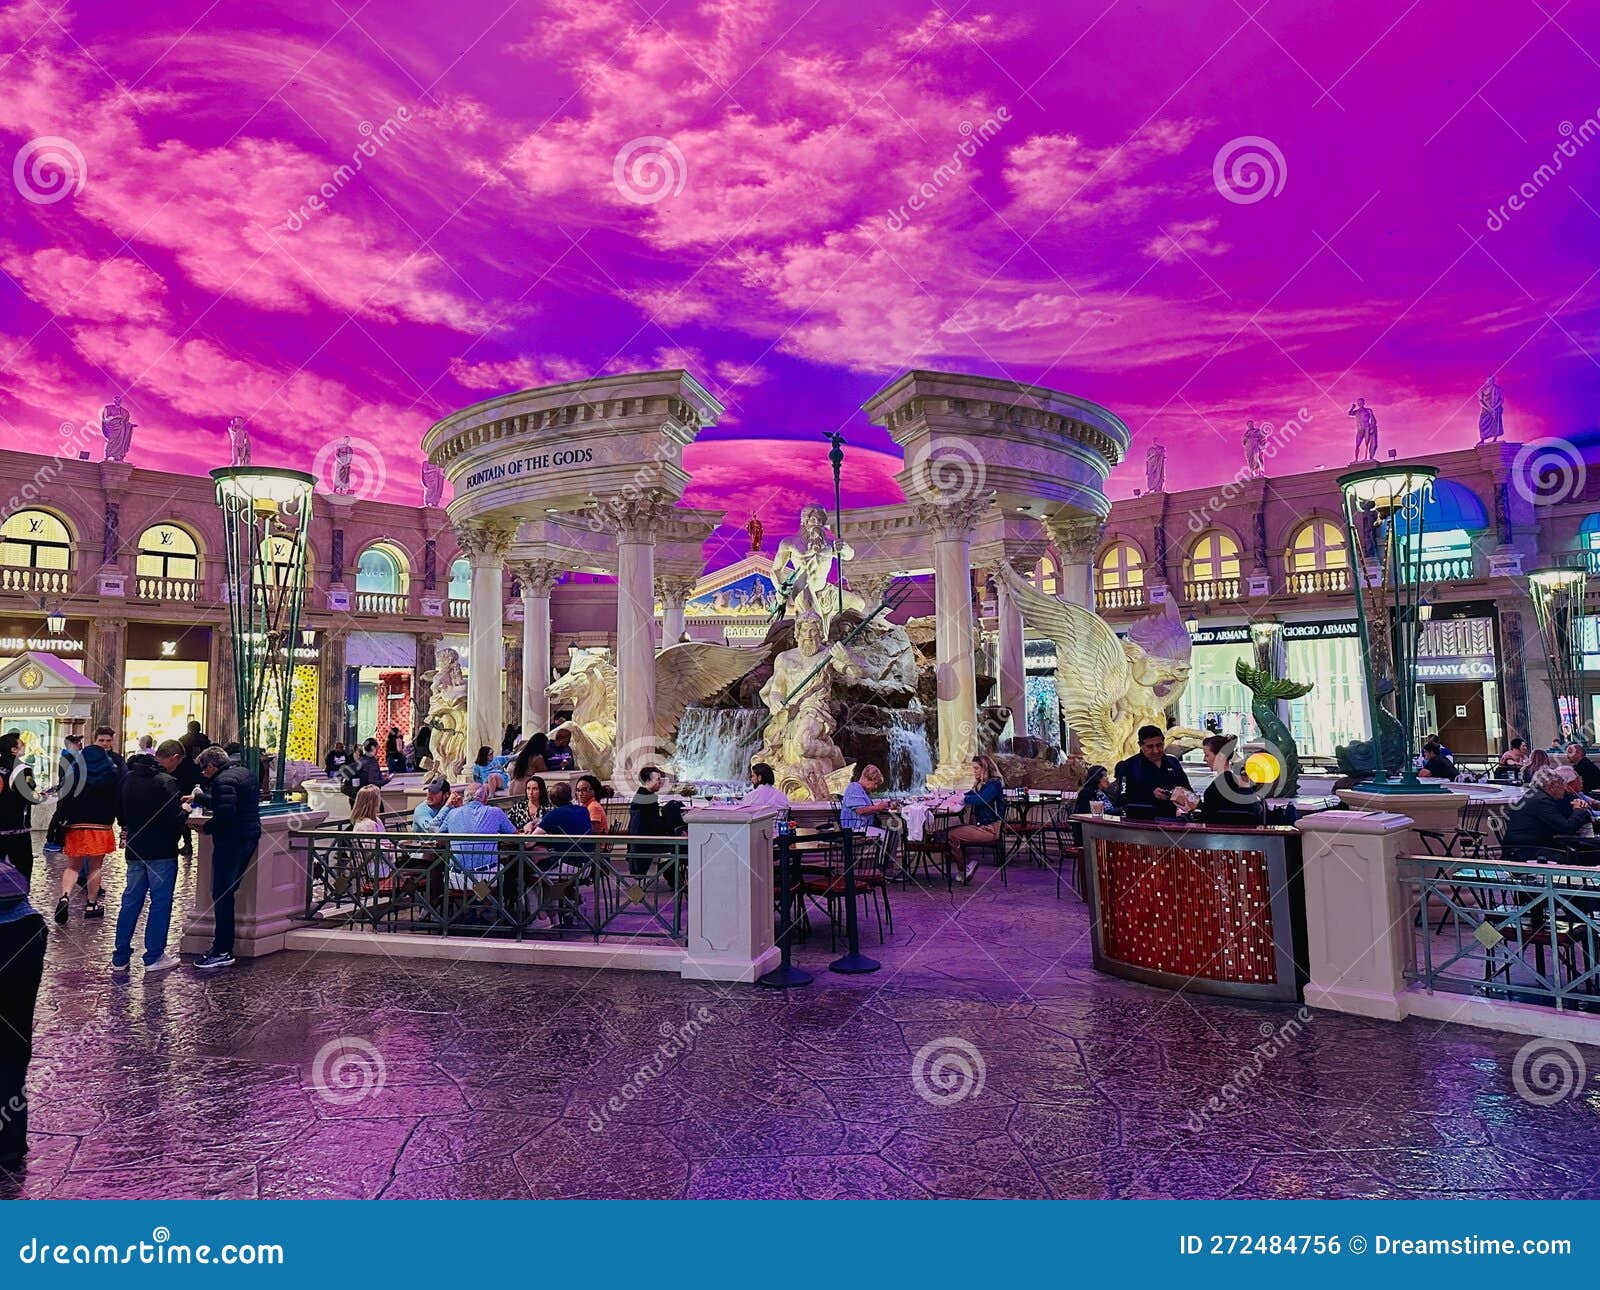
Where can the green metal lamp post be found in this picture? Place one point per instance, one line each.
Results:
(1560, 606)
(266, 517)
(1394, 496)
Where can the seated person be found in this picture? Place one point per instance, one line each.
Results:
(1543, 820)
(857, 808)
(558, 751)
(1516, 753)
(1147, 779)
(1435, 763)
(986, 800)
(586, 793)
(1229, 798)
(533, 801)
(478, 816)
(565, 819)
(1578, 758)
(1096, 788)
(433, 812)
(764, 793)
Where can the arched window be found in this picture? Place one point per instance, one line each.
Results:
(35, 540)
(1047, 577)
(277, 557)
(1213, 557)
(166, 551)
(382, 569)
(1317, 544)
(461, 578)
(1120, 566)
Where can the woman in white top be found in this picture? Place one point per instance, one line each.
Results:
(364, 819)
(764, 792)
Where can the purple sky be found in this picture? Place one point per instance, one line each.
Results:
(1077, 234)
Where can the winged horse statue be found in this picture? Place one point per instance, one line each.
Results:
(1108, 687)
(685, 673)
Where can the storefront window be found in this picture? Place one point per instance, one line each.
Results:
(159, 697)
(381, 570)
(1120, 566)
(302, 717)
(1214, 696)
(278, 561)
(1334, 712)
(461, 579)
(166, 551)
(35, 540)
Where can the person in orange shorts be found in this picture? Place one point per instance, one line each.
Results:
(87, 805)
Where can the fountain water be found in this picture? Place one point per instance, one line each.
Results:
(910, 758)
(715, 745)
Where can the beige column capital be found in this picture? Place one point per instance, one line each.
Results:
(635, 519)
(536, 577)
(484, 539)
(952, 520)
(1077, 539)
(675, 589)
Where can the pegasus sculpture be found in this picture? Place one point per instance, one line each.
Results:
(1265, 691)
(1108, 687)
(685, 674)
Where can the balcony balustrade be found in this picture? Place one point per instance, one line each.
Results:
(35, 581)
(1312, 582)
(186, 590)
(1211, 590)
(1119, 598)
(381, 602)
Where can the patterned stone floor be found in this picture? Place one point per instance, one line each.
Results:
(323, 1075)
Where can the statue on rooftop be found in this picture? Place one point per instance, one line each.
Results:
(1366, 431)
(432, 483)
(1255, 442)
(756, 531)
(1491, 412)
(1155, 467)
(238, 442)
(800, 569)
(343, 452)
(116, 428)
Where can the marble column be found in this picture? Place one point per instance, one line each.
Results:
(674, 592)
(107, 654)
(1013, 666)
(331, 684)
(485, 543)
(535, 578)
(952, 524)
(635, 522)
(1076, 541)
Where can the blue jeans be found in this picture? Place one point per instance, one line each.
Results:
(157, 878)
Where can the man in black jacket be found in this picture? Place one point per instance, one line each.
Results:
(1147, 779)
(1543, 824)
(232, 795)
(18, 793)
(194, 741)
(175, 760)
(152, 819)
(1578, 758)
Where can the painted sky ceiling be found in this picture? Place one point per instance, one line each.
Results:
(353, 218)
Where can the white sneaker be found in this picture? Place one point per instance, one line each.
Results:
(120, 971)
(165, 963)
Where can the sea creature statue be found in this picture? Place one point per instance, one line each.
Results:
(1265, 692)
(447, 715)
(798, 740)
(1108, 688)
(1356, 757)
(686, 673)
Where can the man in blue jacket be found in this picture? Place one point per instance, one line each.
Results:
(232, 796)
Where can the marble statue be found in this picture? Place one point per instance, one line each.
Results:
(688, 672)
(116, 428)
(798, 740)
(432, 484)
(343, 451)
(1491, 412)
(447, 714)
(1108, 687)
(1366, 431)
(238, 442)
(1255, 443)
(756, 530)
(1155, 468)
(800, 569)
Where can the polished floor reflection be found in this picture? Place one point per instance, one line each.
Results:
(986, 1059)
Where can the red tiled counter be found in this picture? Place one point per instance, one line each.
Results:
(1189, 907)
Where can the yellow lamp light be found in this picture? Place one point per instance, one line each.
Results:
(1262, 768)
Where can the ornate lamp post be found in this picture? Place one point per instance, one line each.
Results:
(1393, 497)
(1560, 607)
(266, 517)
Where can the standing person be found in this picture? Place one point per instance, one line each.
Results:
(986, 799)
(150, 812)
(66, 775)
(105, 739)
(18, 793)
(1148, 778)
(194, 740)
(147, 744)
(22, 941)
(233, 798)
(87, 811)
(394, 755)
(172, 757)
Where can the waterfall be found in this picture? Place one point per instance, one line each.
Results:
(910, 758)
(714, 745)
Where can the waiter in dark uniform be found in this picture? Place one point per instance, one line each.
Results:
(1146, 780)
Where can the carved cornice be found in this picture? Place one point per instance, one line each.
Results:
(536, 577)
(483, 539)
